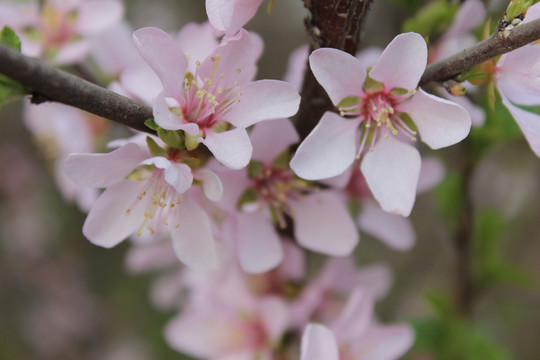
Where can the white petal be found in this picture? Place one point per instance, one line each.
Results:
(271, 138)
(319, 343)
(231, 148)
(528, 122)
(328, 150)
(211, 183)
(391, 171)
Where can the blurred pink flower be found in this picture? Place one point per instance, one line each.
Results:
(381, 106)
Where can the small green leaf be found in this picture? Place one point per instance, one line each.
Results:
(151, 123)
(249, 196)
(174, 139)
(9, 38)
(433, 18)
(516, 8)
(155, 149)
(348, 102)
(254, 168)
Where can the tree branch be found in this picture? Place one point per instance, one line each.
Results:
(52, 84)
(336, 24)
(492, 47)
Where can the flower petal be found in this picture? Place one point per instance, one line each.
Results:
(393, 230)
(160, 51)
(440, 122)
(263, 100)
(355, 318)
(274, 314)
(431, 174)
(193, 241)
(271, 138)
(337, 79)
(103, 170)
(96, 16)
(402, 63)
(231, 148)
(168, 120)
(319, 343)
(391, 171)
(230, 16)
(386, 342)
(322, 224)
(528, 122)
(328, 150)
(107, 223)
(211, 184)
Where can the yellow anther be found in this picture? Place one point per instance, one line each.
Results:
(212, 59)
(128, 211)
(176, 226)
(198, 63)
(165, 223)
(238, 71)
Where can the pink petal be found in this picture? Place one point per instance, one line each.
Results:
(96, 16)
(274, 314)
(112, 50)
(394, 230)
(440, 122)
(160, 51)
(256, 242)
(263, 100)
(143, 83)
(296, 67)
(322, 224)
(168, 120)
(103, 170)
(328, 150)
(518, 75)
(391, 171)
(107, 223)
(193, 241)
(177, 175)
(271, 138)
(355, 317)
(387, 342)
(431, 174)
(470, 15)
(230, 15)
(231, 148)
(337, 80)
(72, 52)
(528, 122)
(211, 183)
(319, 343)
(197, 41)
(236, 61)
(402, 63)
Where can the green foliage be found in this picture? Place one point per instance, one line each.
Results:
(448, 197)
(490, 266)
(448, 336)
(517, 7)
(433, 18)
(10, 89)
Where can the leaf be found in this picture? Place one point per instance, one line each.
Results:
(151, 123)
(9, 38)
(10, 89)
(433, 18)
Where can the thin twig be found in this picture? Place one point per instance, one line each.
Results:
(51, 84)
(490, 48)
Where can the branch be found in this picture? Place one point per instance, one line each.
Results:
(492, 47)
(52, 84)
(333, 23)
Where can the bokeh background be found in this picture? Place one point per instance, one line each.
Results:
(63, 298)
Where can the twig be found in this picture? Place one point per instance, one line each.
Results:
(492, 47)
(51, 84)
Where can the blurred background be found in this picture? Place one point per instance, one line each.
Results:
(63, 298)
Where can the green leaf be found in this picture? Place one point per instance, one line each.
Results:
(174, 139)
(433, 18)
(151, 123)
(9, 38)
(516, 8)
(155, 149)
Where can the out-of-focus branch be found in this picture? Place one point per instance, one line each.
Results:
(492, 47)
(51, 84)
(333, 23)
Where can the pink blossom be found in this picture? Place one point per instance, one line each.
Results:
(382, 106)
(230, 15)
(146, 193)
(356, 336)
(62, 28)
(321, 222)
(220, 93)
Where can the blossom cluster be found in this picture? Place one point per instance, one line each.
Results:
(224, 185)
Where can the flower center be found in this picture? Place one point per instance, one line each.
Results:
(380, 116)
(206, 100)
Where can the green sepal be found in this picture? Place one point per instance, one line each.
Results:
(173, 138)
(248, 196)
(9, 37)
(399, 91)
(372, 85)
(151, 123)
(283, 160)
(191, 141)
(192, 162)
(254, 168)
(472, 73)
(348, 102)
(155, 149)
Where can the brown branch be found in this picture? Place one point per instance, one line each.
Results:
(51, 84)
(492, 47)
(336, 24)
